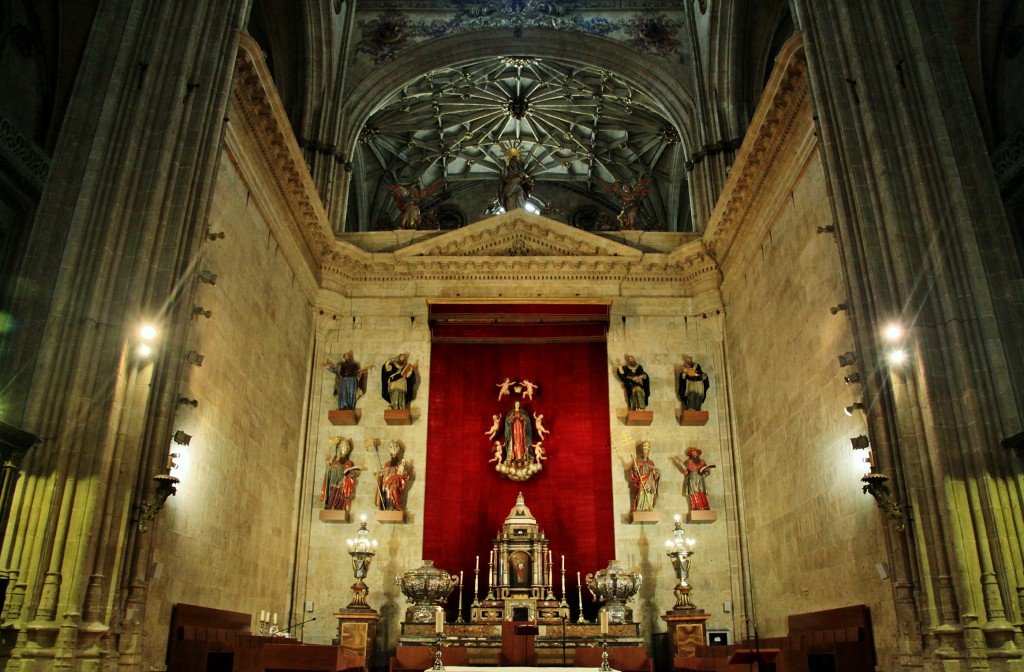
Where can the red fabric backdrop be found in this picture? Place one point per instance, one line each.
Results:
(467, 500)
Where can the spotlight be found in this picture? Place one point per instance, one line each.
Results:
(897, 356)
(856, 406)
(847, 359)
(198, 310)
(892, 332)
(860, 442)
(144, 350)
(147, 332)
(181, 438)
(185, 401)
(208, 277)
(852, 378)
(216, 236)
(837, 308)
(826, 229)
(194, 357)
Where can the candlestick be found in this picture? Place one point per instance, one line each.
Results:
(459, 618)
(579, 587)
(476, 587)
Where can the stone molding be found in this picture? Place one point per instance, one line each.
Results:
(256, 98)
(32, 163)
(1008, 159)
(785, 101)
(525, 248)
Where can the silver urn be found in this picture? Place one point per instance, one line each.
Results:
(426, 588)
(615, 587)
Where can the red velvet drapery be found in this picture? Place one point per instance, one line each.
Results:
(467, 500)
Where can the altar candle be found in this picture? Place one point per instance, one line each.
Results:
(460, 577)
(439, 622)
(579, 583)
(563, 562)
(478, 563)
(275, 618)
(263, 615)
(604, 622)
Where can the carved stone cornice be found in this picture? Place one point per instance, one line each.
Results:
(525, 250)
(784, 103)
(263, 115)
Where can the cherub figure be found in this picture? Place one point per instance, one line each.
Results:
(503, 388)
(494, 427)
(538, 423)
(498, 450)
(538, 450)
(528, 389)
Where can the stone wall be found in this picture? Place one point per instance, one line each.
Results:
(227, 539)
(813, 539)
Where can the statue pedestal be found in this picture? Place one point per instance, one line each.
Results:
(641, 517)
(693, 418)
(346, 417)
(698, 516)
(686, 631)
(639, 418)
(334, 515)
(391, 517)
(397, 416)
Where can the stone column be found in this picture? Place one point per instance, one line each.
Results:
(925, 241)
(115, 242)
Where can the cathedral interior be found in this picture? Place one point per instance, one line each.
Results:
(723, 295)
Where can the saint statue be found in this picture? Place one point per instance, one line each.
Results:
(693, 384)
(646, 478)
(636, 382)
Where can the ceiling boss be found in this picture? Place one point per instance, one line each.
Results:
(516, 455)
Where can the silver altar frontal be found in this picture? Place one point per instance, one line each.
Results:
(520, 586)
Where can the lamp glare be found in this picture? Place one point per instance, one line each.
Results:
(893, 333)
(897, 356)
(147, 332)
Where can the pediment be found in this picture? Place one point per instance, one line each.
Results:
(517, 234)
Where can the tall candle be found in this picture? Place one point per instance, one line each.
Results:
(460, 577)
(275, 618)
(563, 562)
(604, 622)
(579, 583)
(478, 563)
(439, 622)
(263, 615)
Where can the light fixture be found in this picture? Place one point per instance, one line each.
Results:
(194, 357)
(860, 442)
(208, 277)
(876, 485)
(847, 359)
(198, 310)
(892, 332)
(216, 236)
(165, 487)
(144, 350)
(185, 401)
(679, 549)
(362, 549)
(857, 406)
(828, 228)
(147, 332)
(897, 356)
(181, 438)
(835, 309)
(852, 378)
